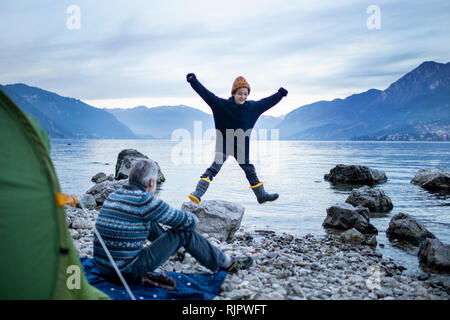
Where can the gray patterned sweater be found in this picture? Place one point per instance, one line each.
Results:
(124, 224)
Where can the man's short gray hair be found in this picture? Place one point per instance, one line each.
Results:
(142, 171)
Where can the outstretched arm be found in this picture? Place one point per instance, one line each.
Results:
(265, 104)
(210, 98)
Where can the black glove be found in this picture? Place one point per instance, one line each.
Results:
(283, 91)
(190, 77)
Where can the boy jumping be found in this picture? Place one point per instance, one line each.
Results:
(234, 119)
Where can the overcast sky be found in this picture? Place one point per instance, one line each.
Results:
(130, 53)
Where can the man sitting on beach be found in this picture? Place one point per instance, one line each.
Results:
(132, 214)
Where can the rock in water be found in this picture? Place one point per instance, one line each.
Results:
(435, 254)
(407, 228)
(353, 236)
(345, 216)
(355, 174)
(125, 161)
(373, 199)
(100, 177)
(432, 179)
(217, 218)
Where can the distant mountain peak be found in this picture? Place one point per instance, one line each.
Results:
(429, 75)
(426, 69)
(430, 64)
(423, 94)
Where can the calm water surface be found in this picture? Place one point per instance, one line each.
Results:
(294, 169)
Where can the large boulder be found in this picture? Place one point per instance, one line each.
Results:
(432, 179)
(373, 199)
(217, 218)
(435, 255)
(102, 190)
(126, 160)
(355, 174)
(345, 216)
(407, 228)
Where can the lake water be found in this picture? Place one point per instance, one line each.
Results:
(294, 169)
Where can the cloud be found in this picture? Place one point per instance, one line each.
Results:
(140, 52)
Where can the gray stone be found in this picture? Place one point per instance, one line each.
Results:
(238, 294)
(217, 218)
(102, 190)
(373, 199)
(74, 233)
(371, 241)
(99, 177)
(126, 160)
(435, 255)
(420, 291)
(79, 223)
(272, 296)
(432, 179)
(345, 216)
(88, 201)
(103, 178)
(353, 236)
(383, 292)
(405, 227)
(355, 174)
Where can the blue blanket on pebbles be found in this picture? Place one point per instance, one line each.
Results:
(194, 286)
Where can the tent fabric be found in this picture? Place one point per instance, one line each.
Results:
(195, 286)
(35, 244)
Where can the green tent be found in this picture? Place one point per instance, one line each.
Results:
(38, 259)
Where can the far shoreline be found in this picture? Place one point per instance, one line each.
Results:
(309, 141)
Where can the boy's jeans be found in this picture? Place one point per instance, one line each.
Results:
(166, 243)
(219, 160)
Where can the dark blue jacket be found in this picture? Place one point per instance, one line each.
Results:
(230, 115)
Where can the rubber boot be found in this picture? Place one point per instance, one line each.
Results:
(200, 190)
(261, 195)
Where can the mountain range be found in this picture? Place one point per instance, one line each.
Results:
(64, 117)
(415, 107)
(160, 122)
(419, 98)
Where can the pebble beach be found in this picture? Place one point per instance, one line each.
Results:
(295, 268)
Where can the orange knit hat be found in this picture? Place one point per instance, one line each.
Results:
(240, 82)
